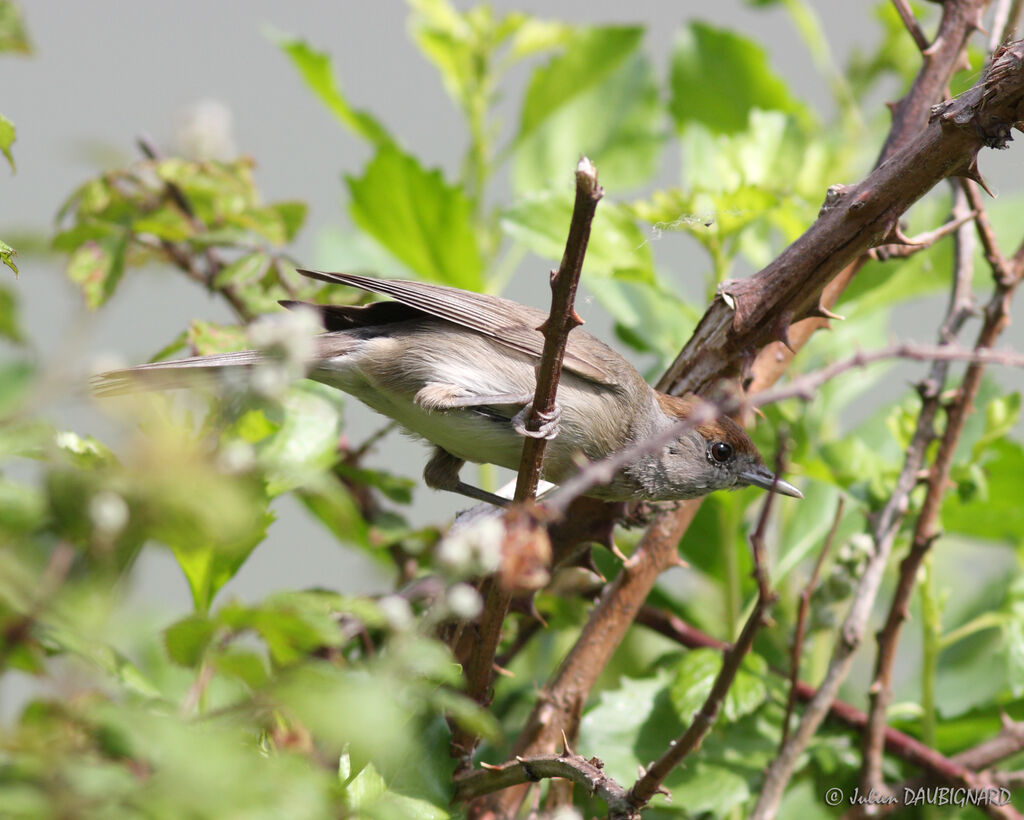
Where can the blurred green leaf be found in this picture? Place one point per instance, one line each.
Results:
(7, 136)
(541, 223)
(10, 326)
(206, 338)
(187, 639)
(97, 267)
(419, 218)
(626, 148)
(743, 80)
(13, 34)
(315, 69)
(589, 57)
(306, 442)
(995, 512)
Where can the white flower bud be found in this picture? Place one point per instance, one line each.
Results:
(109, 512)
(464, 602)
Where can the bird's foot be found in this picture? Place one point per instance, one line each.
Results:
(549, 422)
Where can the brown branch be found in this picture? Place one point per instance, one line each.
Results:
(915, 244)
(926, 527)
(479, 667)
(835, 245)
(910, 21)
(585, 773)
(650, 781)
(748, 314)
(946, 53)
(1009, 741)
(884, 527)
(801, 621)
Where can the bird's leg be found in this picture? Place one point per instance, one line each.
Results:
(442, 473)
(438, 396)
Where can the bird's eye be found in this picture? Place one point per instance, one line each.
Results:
(720, 451)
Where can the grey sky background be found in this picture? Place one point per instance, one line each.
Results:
(105, 72)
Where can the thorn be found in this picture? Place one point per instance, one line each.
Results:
(974, 174)
(566, 749)
(900, 237)
(677, 561)
(781, 331)
(822, 312)
(933, 48)
(892, 105)
(576, 319)
(490, 767)
(501, 670)
(618, 553)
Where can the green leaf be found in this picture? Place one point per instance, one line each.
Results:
(6, 252)
(462, 46)
(617, 123)
(315, 69)
(996, 513)
(696, 673)
(97, 267)
(292, 214)
(13, 35)
(718, 77)
(10, 327)
(15, 380)
(541, 222)
(589, 57)
(208, 337)
(187, 639)
(419, 218)
(7, 137)
(306, 442)
(243, 271)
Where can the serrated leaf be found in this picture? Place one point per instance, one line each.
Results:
(997, 514)
(718, 77)
(696, 673)
(315, 69)
(419, 218)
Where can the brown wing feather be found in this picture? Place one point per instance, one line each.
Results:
(510, 323)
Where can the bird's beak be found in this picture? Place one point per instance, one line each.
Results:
(764, 478)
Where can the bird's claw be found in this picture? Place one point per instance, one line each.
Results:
(549, 423)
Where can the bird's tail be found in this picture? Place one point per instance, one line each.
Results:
(197, 371)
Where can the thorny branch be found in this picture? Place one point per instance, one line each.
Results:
(853, 220)
(801, 621)
(650, 781)
(585, 773)
(926, 527)
(561, 320)
(1008, 742)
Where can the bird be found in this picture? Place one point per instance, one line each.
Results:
(458, 369)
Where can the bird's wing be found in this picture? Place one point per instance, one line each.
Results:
(511, 324)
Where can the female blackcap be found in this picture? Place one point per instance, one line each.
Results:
(459, 369)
